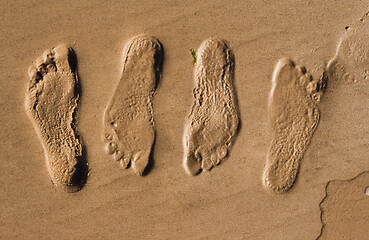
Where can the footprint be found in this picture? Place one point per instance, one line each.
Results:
(213, 121)
(51, 102)
(128, 120)
(293, 116)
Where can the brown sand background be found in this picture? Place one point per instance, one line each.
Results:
(228, 202)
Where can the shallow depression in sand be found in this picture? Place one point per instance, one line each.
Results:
(213, 122)
(129, 132)
(51, 102)
(293, 117)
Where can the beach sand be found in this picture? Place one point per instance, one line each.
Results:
(228, 202)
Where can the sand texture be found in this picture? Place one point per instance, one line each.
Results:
(350, 64)
(214, 116)
(128, 120)
(345, 212)
(293, 115)
(51, 102)
(234, 119)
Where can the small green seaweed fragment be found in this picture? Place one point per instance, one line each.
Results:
(194, 55)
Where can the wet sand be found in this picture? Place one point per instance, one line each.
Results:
(228, 202)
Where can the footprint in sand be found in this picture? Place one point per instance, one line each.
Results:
(128, 120)
(51, 102)
(213, 121)
(293, 116)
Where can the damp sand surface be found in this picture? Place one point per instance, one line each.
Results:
(344, 209)
(227, 202)
(345, 212)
